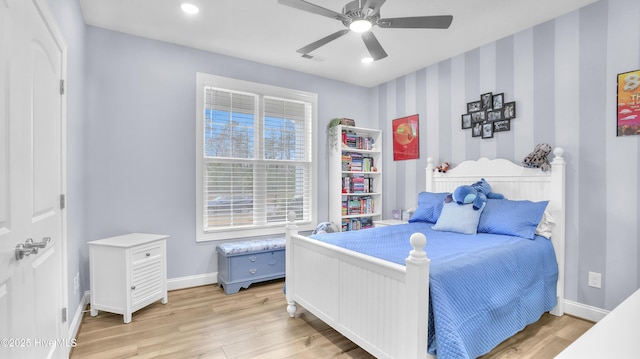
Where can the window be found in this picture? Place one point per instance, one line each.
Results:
(254, 158)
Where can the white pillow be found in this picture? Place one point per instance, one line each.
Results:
(545, 227)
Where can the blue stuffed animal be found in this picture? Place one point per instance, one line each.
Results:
(476, 193)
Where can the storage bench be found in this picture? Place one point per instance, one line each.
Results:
(241, 264)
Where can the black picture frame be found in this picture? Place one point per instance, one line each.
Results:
(494, 115)
(479, 116)
(487, 130)
(489, 115)
(474, 106)
(502, 125)
(486, 101)
(498, 101)
(466, 121)
(509, 110)
(476, 129)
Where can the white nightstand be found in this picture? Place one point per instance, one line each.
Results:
(388, 222)
(128, 273)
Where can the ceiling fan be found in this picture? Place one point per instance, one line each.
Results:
(360, 16)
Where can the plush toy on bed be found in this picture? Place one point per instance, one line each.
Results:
(443, 167)
(476, 193)
(326, 227)
(538, 158)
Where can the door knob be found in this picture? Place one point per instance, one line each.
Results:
(29, 243)
(30, 247)
(22, 251)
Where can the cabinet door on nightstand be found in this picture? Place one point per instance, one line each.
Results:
(147, 275)
(147, 280)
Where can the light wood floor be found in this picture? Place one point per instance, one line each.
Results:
(203, 322)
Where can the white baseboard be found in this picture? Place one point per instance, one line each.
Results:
(74, 325)
(192, 281)
(584, 311)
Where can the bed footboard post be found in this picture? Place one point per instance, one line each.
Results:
(417, 292)
(558, 173)
(291, 229)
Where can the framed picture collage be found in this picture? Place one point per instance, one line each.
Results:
(489, 115)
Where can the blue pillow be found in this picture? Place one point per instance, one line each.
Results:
(459, 218)
(429, 207)
(513, 218)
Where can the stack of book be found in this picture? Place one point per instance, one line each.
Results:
(355, 224)
(356, 162)
(357, 183)
(352, 140)
(353, 205)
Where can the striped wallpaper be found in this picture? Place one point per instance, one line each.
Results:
(562, 75)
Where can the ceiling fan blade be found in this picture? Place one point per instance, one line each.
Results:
(419, 22)
(313, 8)
(374, 47)
(314, 45)
(373, 5)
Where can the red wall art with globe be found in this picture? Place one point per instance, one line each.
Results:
(406, 140)
(628, 111)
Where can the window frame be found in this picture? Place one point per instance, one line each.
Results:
(206, 80)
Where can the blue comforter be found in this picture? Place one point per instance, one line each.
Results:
(484, 288)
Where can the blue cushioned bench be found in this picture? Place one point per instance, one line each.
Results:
(243, 263)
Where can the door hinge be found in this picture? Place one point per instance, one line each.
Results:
(64, 315)
(62, 201)
(62, 87)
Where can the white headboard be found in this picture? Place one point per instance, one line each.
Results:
(518, 183)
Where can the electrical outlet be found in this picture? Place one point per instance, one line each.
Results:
(595, 280)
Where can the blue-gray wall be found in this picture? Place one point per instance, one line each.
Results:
(131, 132)
(562, 75)
(140, 137)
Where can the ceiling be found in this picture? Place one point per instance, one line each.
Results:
(267, 32)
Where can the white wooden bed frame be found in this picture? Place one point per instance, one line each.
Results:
(383, 306)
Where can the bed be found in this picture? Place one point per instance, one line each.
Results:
(382, 303)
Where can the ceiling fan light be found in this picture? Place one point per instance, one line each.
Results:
(189, 8)
(367, 60)
(360, 25)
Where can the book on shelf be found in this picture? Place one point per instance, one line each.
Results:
(367, 164)
(346, 184)
(346, 162)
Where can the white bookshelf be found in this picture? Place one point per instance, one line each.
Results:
(365, 181)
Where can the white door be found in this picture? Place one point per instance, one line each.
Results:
(32, 287)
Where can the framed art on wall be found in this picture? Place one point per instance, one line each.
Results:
(628, 109)
(406, 138)
(502, 125)
(466, 121)
(487, 101)
(489, 115)
(509, 110)
(498, 100)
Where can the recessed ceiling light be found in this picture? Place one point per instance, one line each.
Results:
(189, 8)
(360, 25)
(367, 60)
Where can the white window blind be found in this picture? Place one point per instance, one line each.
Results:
(256, 159)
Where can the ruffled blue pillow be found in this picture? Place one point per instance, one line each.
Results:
(513, 218)
(429, 207)
(459, 218)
